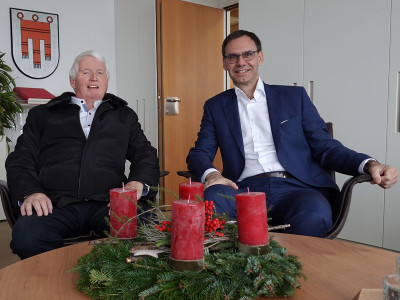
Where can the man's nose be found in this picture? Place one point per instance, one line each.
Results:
(93, 77)
(240, 60)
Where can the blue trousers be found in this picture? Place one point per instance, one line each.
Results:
(33, 235)
(289, 201)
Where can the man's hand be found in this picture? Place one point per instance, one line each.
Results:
(135, 185)
(383, 175)
(38, 201)
(216, 178)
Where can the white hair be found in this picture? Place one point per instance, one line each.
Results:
(75, 66)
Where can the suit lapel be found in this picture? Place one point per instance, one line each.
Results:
(274, 111)
(232, 116)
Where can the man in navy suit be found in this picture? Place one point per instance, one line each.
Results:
(273, 140)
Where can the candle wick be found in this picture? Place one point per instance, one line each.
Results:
(248, 190)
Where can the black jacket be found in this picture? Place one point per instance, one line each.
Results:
(53, 156)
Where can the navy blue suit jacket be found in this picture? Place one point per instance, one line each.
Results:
(303, 144)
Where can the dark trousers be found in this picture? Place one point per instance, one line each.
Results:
(289, 201)
(32, 235)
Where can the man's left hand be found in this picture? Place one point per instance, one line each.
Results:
(132, 185)
(135, 185)
(384, 175)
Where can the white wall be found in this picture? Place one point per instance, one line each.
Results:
(83, 25)
(135, 39)
(348, 53)
(214, 3)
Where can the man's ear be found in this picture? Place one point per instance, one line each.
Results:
(72, 82)
(260, 58)
(224, 64)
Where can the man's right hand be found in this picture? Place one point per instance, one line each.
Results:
(216, 178)
(38, 201)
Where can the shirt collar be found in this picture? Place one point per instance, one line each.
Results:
(258, 92)
(82, 103)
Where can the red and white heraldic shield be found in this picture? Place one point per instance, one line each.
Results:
(35, 42)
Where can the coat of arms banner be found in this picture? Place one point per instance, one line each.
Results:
(35, 42)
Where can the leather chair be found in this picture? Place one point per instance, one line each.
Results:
(342, 205)
(12, 215)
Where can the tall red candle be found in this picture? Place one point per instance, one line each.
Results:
(187, 232)
(123, 208)
(252, 220)
(189, 190)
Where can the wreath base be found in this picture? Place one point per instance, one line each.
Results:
(253, 250)
(190, 265)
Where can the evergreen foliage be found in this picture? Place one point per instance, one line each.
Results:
(9, 107)
(226, 274)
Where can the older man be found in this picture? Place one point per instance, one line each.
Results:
(71, 153)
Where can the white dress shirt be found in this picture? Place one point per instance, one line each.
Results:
(259, 147)
(86, 115)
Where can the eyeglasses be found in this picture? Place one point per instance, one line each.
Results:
(234, 58)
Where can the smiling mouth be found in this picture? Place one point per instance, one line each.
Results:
(242, 71)
(93, 87)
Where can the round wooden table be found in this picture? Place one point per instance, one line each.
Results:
(334, 269)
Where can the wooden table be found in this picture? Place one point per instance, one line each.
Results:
(334, 269)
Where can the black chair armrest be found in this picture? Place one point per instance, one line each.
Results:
(185, 174)
(163, 173)
(345, 200)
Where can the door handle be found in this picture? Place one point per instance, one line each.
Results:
(311, 90)
(172, 105)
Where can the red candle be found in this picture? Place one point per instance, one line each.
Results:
(123, 213)
(189, 190)
(252, 221)
(187, 232)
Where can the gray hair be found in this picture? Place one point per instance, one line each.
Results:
(75, 66)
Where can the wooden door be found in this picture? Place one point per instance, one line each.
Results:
(189, 38)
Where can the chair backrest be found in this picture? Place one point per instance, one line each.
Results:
(341, 205)
(7, 204)
(341, 209)
(329, 125)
